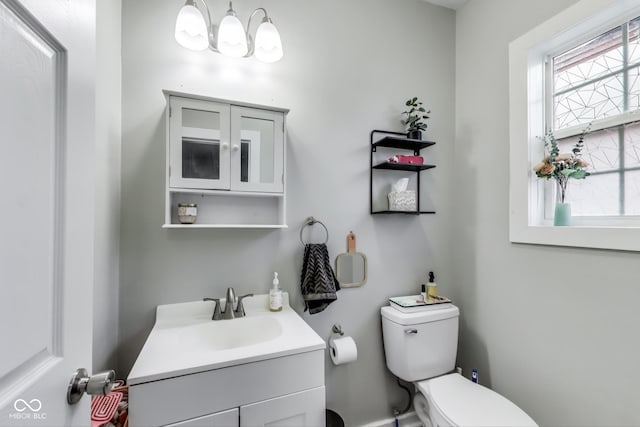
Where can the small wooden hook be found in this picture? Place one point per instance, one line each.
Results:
(351, 242)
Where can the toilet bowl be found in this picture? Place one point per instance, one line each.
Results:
(452, 400)
(420, 347)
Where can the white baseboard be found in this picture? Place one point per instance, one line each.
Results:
(410, 419)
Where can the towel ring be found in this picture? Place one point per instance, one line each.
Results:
(308, 223)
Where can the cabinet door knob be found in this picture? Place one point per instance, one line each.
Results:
(225, 145)
(235, 147)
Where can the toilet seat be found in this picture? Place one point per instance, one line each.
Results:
(464, 403)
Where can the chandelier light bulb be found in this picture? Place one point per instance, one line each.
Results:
(268, 46)
(191, 29)
(232, 40)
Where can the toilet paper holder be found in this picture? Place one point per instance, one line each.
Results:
(336, 332)
(342, 348)
(337, 329)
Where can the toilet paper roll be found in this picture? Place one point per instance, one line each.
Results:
(343, 350)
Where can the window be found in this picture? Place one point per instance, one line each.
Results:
(597, 83)
(580, 67)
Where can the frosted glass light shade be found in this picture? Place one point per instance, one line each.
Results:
(191, 29)
(232, 40)
(268, 46)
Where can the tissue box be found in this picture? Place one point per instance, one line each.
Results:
(402, 201)
(410, 160)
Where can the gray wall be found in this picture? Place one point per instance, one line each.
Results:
(107, 230)
(348, 68)
(554, 329)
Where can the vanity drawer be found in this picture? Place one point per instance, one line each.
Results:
(180, 398)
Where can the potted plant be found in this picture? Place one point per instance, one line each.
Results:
(416, 118)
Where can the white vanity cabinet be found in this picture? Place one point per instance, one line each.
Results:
(264, 369)
(228, 158)
(285, 391)
(293, 410)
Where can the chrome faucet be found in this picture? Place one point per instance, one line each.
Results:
(228, 306)
(228, 312)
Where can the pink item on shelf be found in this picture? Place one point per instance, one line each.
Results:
(411, 160)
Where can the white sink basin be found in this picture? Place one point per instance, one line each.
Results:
(185, 340)
(227, 334)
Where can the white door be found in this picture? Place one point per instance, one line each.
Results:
(228, 418)
(47, 133)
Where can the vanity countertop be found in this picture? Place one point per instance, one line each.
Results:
(184, 339)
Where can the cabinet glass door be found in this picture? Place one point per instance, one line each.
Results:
(199, 148)
(257, 150)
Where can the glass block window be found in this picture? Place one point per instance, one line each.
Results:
(597, 84)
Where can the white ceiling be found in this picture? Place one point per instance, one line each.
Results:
(451, 4)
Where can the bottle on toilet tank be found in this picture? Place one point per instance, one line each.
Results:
(275, 295)
(432, 288)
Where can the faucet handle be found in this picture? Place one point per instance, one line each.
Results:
(216, 311)
(240, 307)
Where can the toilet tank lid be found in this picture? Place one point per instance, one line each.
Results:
(444, 311)
(466, 403)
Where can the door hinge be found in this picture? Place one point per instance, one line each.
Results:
(170, 111)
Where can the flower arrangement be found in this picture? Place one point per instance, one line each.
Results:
(562, 167)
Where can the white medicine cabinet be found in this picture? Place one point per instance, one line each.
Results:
(228, 158)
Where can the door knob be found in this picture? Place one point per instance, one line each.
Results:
(82, 383)
(235, 147)
(225, 145)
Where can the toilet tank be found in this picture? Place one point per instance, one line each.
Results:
(421, 344)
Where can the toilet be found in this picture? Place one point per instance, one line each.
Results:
(420, 346)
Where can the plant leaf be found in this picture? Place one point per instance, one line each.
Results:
(579, 174)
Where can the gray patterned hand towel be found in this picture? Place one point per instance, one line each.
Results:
(318, 282)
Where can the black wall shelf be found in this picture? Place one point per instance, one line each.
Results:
(397, 140)
(403, 167)
(401, 142)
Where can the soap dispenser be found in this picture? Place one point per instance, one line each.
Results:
(432, 288)
(275, 295)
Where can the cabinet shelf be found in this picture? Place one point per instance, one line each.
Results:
(201, 226)
(397, 140)
(205, 192)
(402, 212)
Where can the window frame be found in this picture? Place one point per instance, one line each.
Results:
(528, 93)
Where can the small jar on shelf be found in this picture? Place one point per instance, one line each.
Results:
(187, 213)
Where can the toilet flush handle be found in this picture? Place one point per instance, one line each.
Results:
(410, 331)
